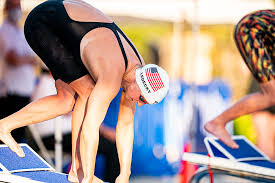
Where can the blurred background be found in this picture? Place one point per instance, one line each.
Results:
(193, 41)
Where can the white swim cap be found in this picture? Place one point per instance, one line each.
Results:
(153, 82)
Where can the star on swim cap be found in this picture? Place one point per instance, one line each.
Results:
(153, 82)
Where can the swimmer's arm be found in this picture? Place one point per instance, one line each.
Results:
(125, 135)
(2, 46)
(99, 100)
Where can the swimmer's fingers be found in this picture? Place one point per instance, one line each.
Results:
(218, 130)
(12, 144)
(229, 141)
(97, 180)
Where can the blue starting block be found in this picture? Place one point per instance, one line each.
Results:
(245, 162)
(29, 169)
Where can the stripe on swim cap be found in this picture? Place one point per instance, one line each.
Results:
(153, 78)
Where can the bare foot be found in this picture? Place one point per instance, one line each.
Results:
(7, 139)
(218, 130)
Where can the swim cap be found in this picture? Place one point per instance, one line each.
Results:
(153, 82)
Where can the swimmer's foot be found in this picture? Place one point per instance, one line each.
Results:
(218, 130)
(7, 139)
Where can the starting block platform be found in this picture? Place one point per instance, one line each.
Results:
(29, 169)
(245, 162)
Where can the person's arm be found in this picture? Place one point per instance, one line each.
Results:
(14, 59)
(2, 46)
(124, 137)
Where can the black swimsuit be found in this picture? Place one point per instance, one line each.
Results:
(56, 38)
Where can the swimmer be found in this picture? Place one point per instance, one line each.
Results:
(254, 37)
(91, 59)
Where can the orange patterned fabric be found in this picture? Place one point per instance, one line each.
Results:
(255, 39)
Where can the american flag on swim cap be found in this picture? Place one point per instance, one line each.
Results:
(154, 78)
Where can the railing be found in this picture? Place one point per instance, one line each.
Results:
(228, 176)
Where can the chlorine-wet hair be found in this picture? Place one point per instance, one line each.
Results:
(153, 82)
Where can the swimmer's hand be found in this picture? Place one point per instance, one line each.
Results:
(122, 179)
(7, 139)
(218, 130)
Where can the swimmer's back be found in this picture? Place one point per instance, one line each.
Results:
(81, 11)
(59, 36)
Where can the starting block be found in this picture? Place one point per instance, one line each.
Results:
(246, 161)
(29, 169)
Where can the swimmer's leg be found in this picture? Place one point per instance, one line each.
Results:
(89, 137)
(83, 86)
(77, 119)
(43, 109)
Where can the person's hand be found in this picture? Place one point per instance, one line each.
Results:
(31, 60)
(7, 139)
(122, 179)
(217, 129)
(12, 58)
